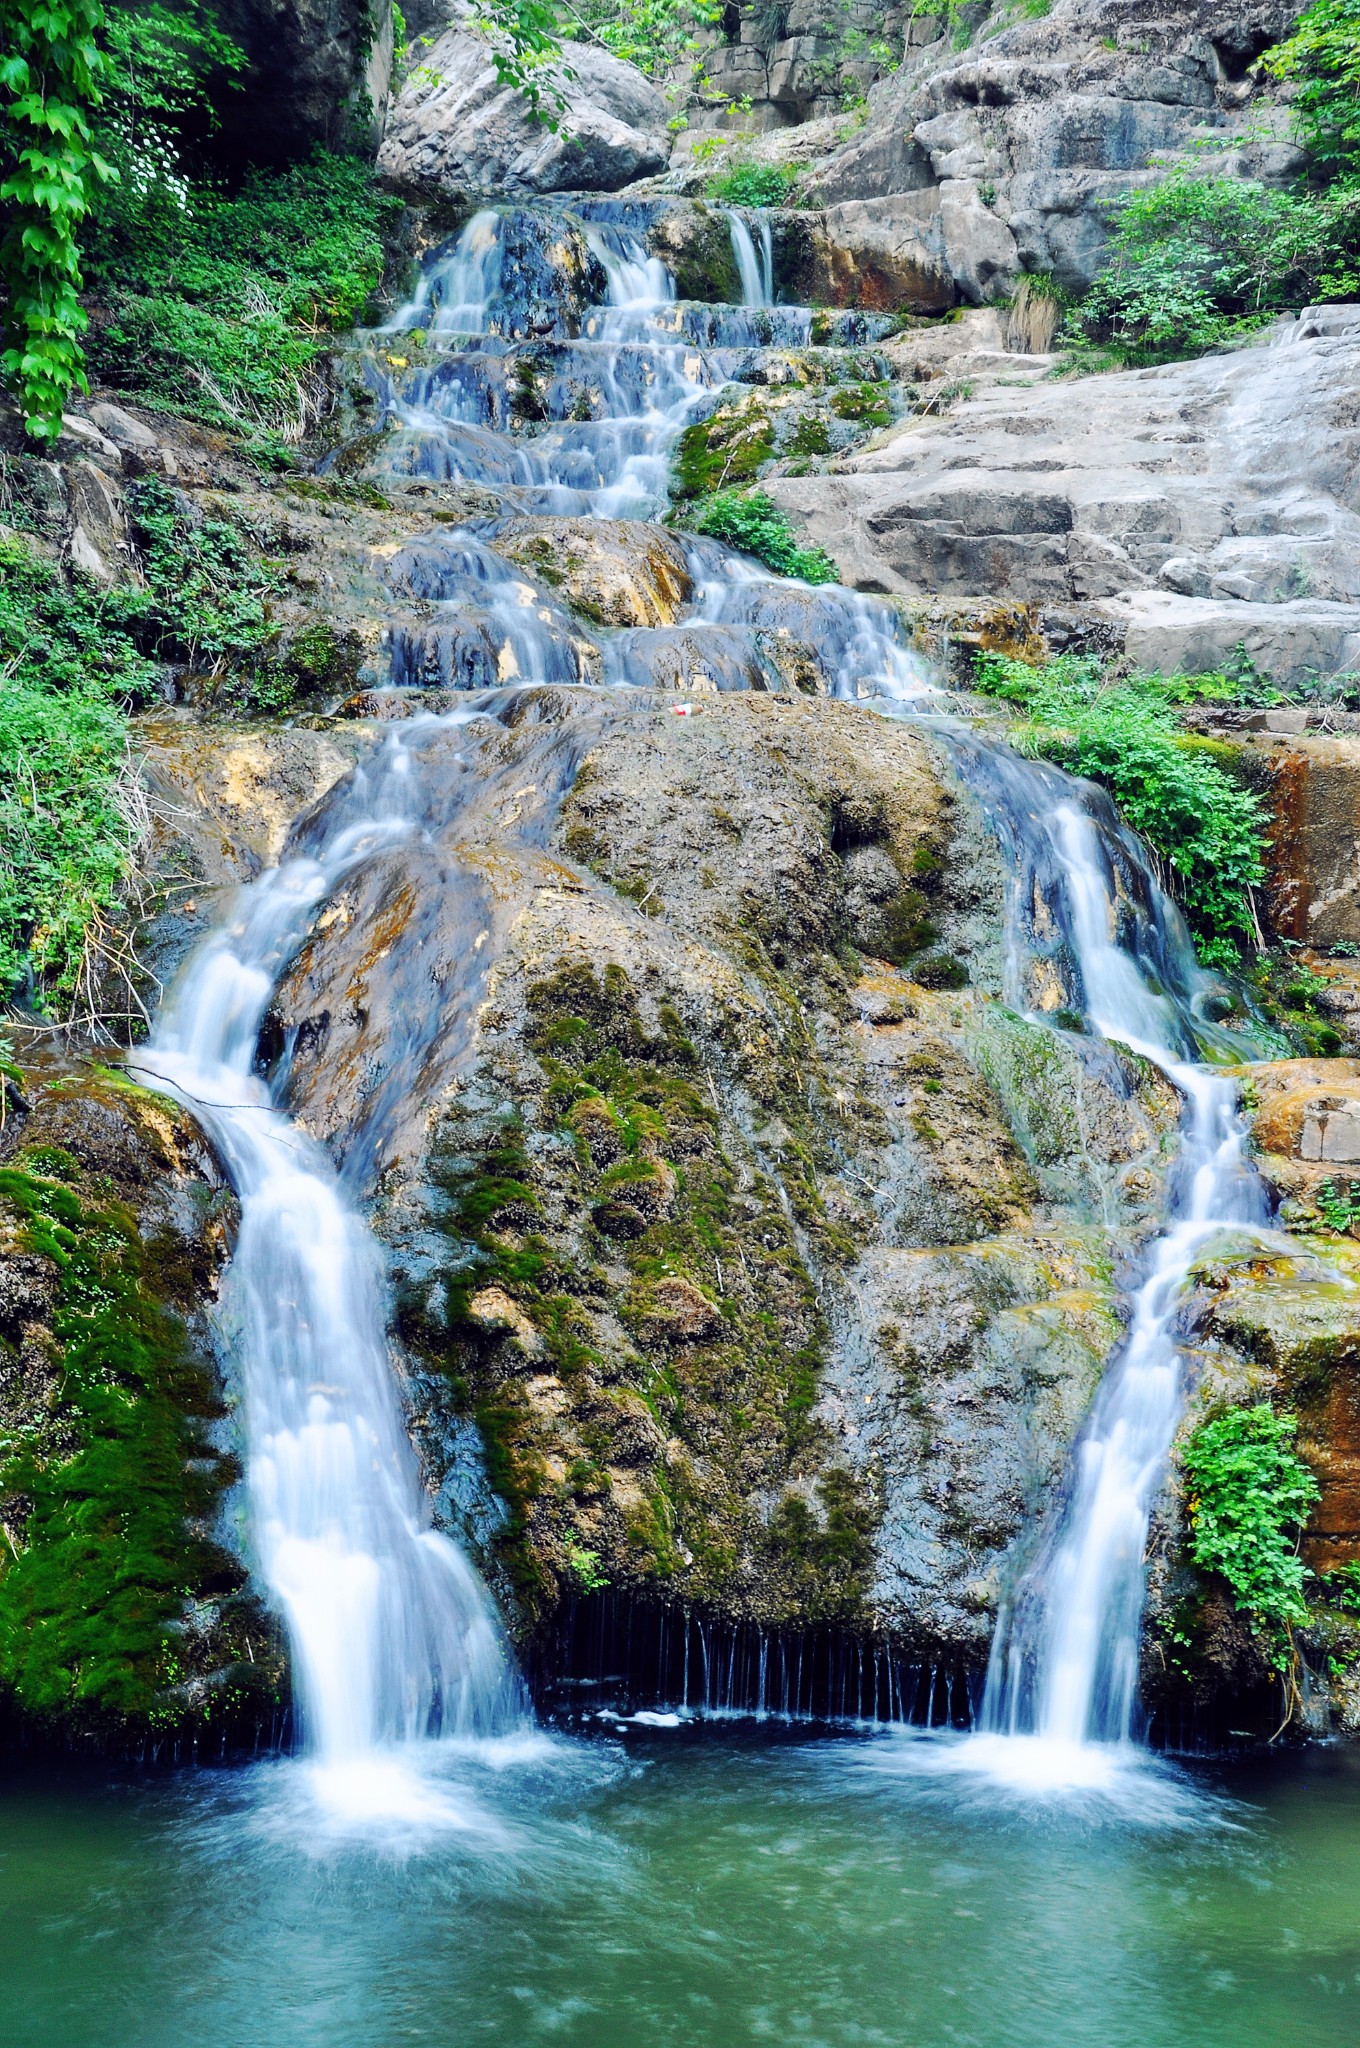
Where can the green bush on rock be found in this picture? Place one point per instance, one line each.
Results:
(1208, 831)
(1198, 261)
(1249, 1495)
(1322, 60)
(748, 184)
(75, 659)
(753, 523)
(220, 307)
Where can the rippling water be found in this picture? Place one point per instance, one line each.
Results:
(675, 1889)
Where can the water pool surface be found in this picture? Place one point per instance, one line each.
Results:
(670, 1889)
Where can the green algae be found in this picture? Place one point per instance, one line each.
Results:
(109, 1494)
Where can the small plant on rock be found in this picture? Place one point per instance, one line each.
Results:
(1248, 1496)
(753, 523)
(748, 184)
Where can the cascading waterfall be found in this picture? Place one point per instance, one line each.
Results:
(755, 269)
(1064, 1665)
(393, 1636)
(455, 293)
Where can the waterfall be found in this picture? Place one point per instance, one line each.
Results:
(459, 287)
(756, 270)
(393, 1637)
(1065, 1659)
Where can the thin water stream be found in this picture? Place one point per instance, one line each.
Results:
(393, 1639)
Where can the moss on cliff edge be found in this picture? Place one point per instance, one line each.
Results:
(119, 1611)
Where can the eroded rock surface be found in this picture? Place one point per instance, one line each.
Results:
(1191, 506)
(741, 1239)
(456, 128)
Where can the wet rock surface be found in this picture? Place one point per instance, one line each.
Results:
(662, 1146)
(130, 1623)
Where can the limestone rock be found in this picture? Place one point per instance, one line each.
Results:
(617, 572)
(1101, 490)
(1015, 145)
(455, 128)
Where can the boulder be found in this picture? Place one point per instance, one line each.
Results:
(1235, 475)
(319, 72)
(455, 128)
(616, 572)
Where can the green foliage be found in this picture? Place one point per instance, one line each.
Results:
(1322, 59)
(748, 184)
(165, 67)
(89, 1601)
(1338, 1206)
(1197, 261)
(584, 1565)
(1341, 1587)
(1289, 995)
(1208, 831)
(526, 50)
(751, 522)
(1249, 1494)
(51, 70)
(73, 659)
(656, 35)
(221, 308)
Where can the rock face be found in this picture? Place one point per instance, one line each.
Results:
(1315, 852)
(738, 1232)
(1193, 507)
(320, 72)
(126, 1615)
(455, 128)
(1014, 145)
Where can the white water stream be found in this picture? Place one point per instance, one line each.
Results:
(1065, 1662)
(755, 267)
(393, 1637)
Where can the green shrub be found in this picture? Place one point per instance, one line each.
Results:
(656, 35)
(748, 184)
(1249, 1494)
(754, 524)
(1322, 58)
(1208, 831)
(1197, 261)
(74, 658)
(221, 308)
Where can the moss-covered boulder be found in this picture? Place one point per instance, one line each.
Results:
(125, 1614)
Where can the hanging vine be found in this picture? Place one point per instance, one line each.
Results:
(50, 78)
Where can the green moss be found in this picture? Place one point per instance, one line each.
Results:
(110, 1493)
(515, 1469)
(906, 929)
(829, 1555)
(728, 448)
(867, 404)
(811, 436)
